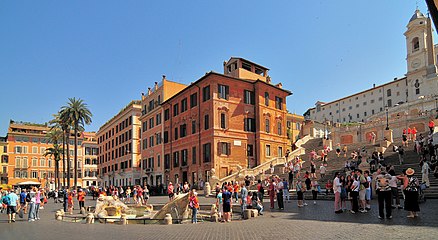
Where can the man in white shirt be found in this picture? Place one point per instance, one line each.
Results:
(337, 191)
(322, 170)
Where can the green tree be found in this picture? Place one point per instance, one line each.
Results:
(75, 114)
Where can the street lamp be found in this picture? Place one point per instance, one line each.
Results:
(325, 128)
(387, 120)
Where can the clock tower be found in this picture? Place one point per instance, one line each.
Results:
(421, 67)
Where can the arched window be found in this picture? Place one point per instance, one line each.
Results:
(415, 44)
(267, 126)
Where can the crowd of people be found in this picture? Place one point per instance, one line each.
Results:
(22, 202)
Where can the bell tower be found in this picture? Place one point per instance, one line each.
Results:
(421, 64)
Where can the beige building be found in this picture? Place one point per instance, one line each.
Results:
(90, 150)
(119, 148)
(152, 147)
(4, 160)
(420, 84)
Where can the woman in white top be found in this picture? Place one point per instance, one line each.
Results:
(354, 194)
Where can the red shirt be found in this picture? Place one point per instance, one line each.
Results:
(81, 196)
(431, 124)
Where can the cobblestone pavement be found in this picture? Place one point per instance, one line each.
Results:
(311, 222)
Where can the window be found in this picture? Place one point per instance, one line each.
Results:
(364, 103)
(158, 160)
(246, 66)
(206, 122)
(417, 91)
(193, 100)
(388, 93)
(372, 100)
(280, 151)
(206, 152)
(415, 44)
(35, 150)
(225, 148)
(223, 121)
(175, 109)
(398, 93)
(372, 111)
(266, 99)
(350, 107)
(176, 133)
(389, 103)
(249, 125)
(279, 103)
(364, 114)
(151, 123)
(184, 105)
(166, 161)
(184, 157)
(34, 174)
(380, 98)
(250, 150)
(193, 127)
(145, 144)
(206, 93)
(166, 114)
(24, 149)
(249, 97)
(34, 162)
(158, 118)
(357, 105)
(223, 91)
(267, 126)
(183, 130)
(193, 155)
(175, 159)
(268, 150)
(358, 116)
(279, 128)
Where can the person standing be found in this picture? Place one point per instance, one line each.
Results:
(431, 126)
(243, 198)
(70, 202)
(394, 190)
(272, 193)
(300, 193)
(81, 199)
(315, 190)
(425, 173)
(322, 170)
(260, 190)
(286, 195)
(291, 177)
(279, 190)
(411, 187)
(12, 203)
(37, 203)
(169, 191)
(219, 205)
(65, 203)
(337, 190)
(56, 195)
(194, 205)
(23, 203)
(128, 195)
(401, 153)
(384, 196)
(354, 195)
(227, 204)
(31, 197)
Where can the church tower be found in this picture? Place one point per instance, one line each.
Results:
(421, 63)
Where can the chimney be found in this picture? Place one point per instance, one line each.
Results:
(268, 79)
(374, 85)
(279, 85)
(164, 77)
(149, 91)
(156, 86)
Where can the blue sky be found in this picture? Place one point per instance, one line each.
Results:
(108, 52)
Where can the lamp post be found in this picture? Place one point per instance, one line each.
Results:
(387, 120)
(325, 128)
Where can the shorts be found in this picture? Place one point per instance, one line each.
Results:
(300, 195)
(368, 194)
(12, 209)
(362, 194)
(227, 207)
(221, 209)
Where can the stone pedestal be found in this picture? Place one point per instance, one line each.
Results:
(388, 135)
(207, 188)
(168, 219)
(90, 218)
(328, 143)
(254, 213)
(247, 214)
(124, 219)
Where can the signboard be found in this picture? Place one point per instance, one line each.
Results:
(237, 143)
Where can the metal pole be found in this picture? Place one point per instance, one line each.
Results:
(387, 120)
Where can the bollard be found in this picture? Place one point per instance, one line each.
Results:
(124, 219)
(247, 214)
(90, 218)
(254, 213)
(168, 219)
(213, 213)
(207, 188)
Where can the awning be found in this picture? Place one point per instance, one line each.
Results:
(28, 183)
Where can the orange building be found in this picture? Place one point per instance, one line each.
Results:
(27, 143)
(222, 121)
(294, 123)
(152, 147)
(119, 148)
(4, 160)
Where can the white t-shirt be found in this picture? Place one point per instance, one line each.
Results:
(322, 169)
(355, 186)
(336, 185)
(393, 182)
(369, 182)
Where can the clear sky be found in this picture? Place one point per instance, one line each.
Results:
(108, 52)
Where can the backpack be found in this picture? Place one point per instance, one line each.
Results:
(6, 200)
(28, 198)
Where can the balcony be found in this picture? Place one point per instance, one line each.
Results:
(148, 170)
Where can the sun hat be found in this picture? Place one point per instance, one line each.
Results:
(410, 171)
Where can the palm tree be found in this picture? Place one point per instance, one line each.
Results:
(55, 152)
(76, 114)
(57, 123)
